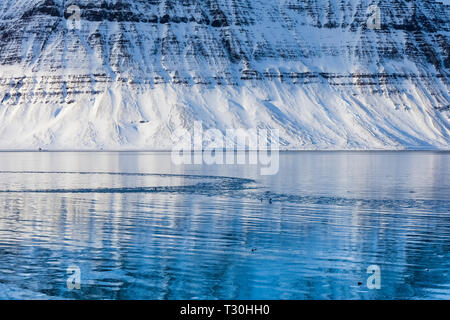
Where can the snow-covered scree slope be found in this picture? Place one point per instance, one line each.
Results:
(136, 70)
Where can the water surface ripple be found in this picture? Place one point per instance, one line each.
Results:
(139, 227)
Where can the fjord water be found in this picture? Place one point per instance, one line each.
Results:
(139, 227)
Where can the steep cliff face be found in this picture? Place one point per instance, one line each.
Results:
(135, 70)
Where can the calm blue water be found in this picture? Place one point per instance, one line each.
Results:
(139, 227)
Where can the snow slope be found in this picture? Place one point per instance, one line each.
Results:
(138, 70)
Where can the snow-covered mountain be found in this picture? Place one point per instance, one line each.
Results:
(136, 70)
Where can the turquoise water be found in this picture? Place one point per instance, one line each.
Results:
(139, 227)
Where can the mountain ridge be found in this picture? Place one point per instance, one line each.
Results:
(137, 70)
